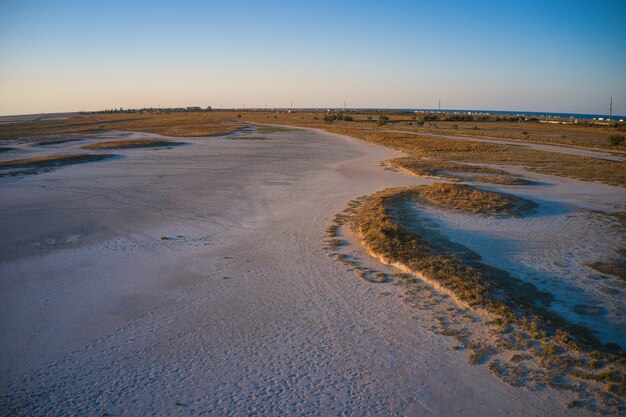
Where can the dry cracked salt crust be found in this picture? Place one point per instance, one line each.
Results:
(241, 315)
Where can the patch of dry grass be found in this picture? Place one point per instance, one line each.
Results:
(244, 137)
(334, 243)
(615, 267)
(131, 143)
(52, 161)
(172, 124)
(450, 150)
(557, 134)
(454, 171)
(473, 200)
(272, 129)
(47, 142)
(503, 179)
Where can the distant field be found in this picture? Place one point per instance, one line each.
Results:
(174, 124)
(436, 154)
(437, 150)
(220, 122)
(570, 135)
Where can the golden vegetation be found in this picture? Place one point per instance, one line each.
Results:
(246, 137)
(272, 129)
(557, 134)
(494, 291)
(172, 124)
(473, 200)
(47, 142)
(449, 150)
(579, 135)
(387, 238)
(131, 143)
(455, 172)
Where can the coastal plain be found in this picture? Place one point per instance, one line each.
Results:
(190, 277)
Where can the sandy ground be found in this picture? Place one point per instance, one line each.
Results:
(192, 281)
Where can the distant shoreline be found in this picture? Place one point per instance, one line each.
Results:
(586, 116)
(614, 117)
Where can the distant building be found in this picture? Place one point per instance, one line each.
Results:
(194, 108)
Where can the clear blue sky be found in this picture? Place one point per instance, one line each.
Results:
(565, 56)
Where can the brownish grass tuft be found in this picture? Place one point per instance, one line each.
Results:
(272, 129)
(454, 171)
(615, 267)
(473, 200)
(47, 142)
(243, 137)
(131, 143)
(52, 161)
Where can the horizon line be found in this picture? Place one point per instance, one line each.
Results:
(412, 109)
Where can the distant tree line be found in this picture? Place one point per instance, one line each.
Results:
(151, 110)
(329, 118)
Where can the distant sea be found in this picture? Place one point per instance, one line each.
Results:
(500, 112)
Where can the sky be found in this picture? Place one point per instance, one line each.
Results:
(553, 56)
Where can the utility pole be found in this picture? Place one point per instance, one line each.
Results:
(439, 104)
